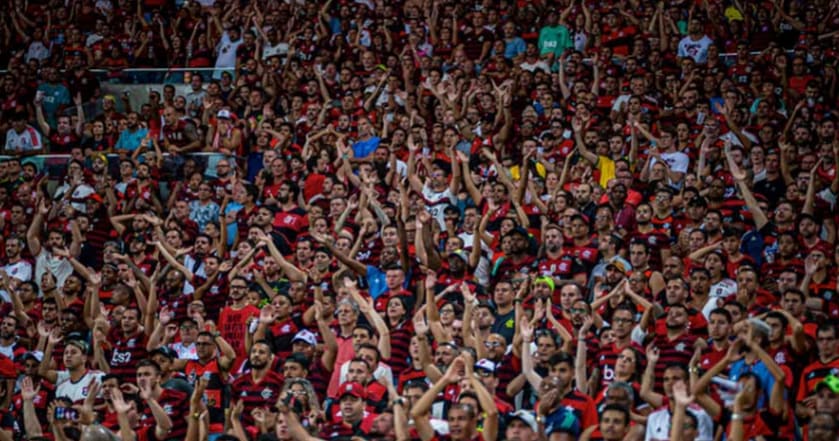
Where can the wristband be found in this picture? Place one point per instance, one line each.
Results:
(736, 417)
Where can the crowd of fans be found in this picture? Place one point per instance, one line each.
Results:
(425, 220)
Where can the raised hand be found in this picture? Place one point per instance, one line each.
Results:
(28, 390)
(118, 402)
(526, 330)
(267, 314)
(652, 355)
(680, 394)
(420, 326)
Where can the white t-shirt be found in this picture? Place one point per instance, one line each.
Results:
(22, 270)
(677, 161)
(698, 50)
(26, 141)
(723, 289)
(76, 391)
(226, 50)
(437, 201)
(658, 424)
(58, 266)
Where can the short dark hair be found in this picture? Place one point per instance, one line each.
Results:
(617, 408)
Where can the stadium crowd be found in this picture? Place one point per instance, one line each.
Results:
(425, 220)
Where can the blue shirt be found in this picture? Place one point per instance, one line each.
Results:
(739, 367)
(363, 149)
(131, 141)
(55, 96)
(562, 420)
(514, 48)
(376, 281)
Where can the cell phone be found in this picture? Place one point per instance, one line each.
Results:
(66, 413)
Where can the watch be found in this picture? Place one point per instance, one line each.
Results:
(398, 402)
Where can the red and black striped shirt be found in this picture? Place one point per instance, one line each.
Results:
(126, 353)
(255, 394)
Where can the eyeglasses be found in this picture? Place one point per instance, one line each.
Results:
(492, 344)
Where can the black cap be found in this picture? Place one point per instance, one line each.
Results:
(165, 351)
(697, 201)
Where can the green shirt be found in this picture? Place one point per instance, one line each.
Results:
(554, 39)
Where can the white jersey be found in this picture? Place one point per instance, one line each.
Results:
(658, 424)
(696, 49)
(437, 201)
(723, 289)
(22, 270)
(75, 391)
(26, 141)
(57, 266)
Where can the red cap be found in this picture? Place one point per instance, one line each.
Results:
(352, 388)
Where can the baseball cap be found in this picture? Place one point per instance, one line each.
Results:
(524, 416)
(351, 388)
(547, 280)
(461, 254)
(95, 197)
(485, 365)
(165, 351)
(518, 230)
(298, 358)
(35, 355)
(305, 336)
(224, 114)
(831, 382)
(697, 201)
(618, 265)
(81, 344)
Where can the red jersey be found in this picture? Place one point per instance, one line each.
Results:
(232, 324)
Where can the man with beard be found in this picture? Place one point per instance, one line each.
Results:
(234, 317)
(259, 384)
(517, 256)
(141, 194)
(225, 177)
(194, 261)
(15, 265)
(173, 401)
(624, 213)
(130, 138)
(179, 135)
(654, 224)
(45, 260)
(290, 220)
(9, 345)
(674, 346)
(555, 262)
(719, 333)
(128, 343)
